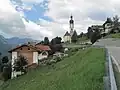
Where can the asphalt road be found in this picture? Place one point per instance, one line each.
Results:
(113, 46)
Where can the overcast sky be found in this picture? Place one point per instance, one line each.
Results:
(40, 18)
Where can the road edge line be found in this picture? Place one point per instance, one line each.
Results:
(115, 61)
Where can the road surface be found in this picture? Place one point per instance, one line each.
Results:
(113, 46)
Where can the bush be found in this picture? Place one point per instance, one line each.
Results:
(94, 37)
(20, 63)
(6, 74)
(56, 47)
(48, 63)
(5, 59)
(58, 59)
(1, 76)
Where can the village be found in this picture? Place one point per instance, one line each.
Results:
(34, 55)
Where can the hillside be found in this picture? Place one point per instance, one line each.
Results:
(8, 43)
(116, 35)
(14, 41)
(4, 46)
(82, 71)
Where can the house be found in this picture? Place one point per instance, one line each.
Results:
(45, 51)
(67, 37)
(99, 27)
(30, 52)
(108, 25)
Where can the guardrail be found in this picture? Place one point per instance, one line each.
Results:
(109, 78)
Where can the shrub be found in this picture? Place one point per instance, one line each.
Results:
(6, 74)
(94, 37)
(5, 59)
(58, 59)
(20, 63)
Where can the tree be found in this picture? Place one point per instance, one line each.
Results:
(53, 42)
(115, 23)
(74, 37)
(56, 45)
(5, 59)
(46, 41)
(7, 70)
(42, 42)
(95, 36)
(0, 53)
(20, 63)
(116, 19)
(0, 62)
(81, 35)
(89, 32)
(56, 40)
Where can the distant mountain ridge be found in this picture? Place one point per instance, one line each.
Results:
(8, 43)
(16, 41)
(4, 46)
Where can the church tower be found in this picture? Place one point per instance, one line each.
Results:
(71, 22)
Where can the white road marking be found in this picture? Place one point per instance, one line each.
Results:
(115, 61)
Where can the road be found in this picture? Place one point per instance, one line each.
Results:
(113, 46)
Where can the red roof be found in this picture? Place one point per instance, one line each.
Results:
(37, 47)
(43, 47)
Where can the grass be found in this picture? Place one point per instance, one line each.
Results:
(83, 39)
(117, 35)
(81, 71)
(117, 76)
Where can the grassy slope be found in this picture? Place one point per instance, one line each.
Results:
(117, 76)
(117, 35)
(82, 71)
(83, 39)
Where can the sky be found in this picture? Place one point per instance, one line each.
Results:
(49, 18)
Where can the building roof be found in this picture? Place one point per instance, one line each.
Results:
(37, 48)
(43, 47)
(67, 34)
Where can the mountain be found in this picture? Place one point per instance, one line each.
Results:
(8, 43)
(4, 46)
(14, 41)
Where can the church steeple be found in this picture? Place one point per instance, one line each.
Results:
(71, 22)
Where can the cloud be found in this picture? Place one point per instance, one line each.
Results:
(13, 24)
(98, 14)
(40, 18)
(32, 1)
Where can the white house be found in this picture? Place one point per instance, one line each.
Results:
(31, 53)
(67, 37)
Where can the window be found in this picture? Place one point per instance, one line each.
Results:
(20, 48)
(44, 53)
(28, 48)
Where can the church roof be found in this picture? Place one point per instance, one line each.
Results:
(67, 34)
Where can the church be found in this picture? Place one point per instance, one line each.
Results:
(68, 35)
